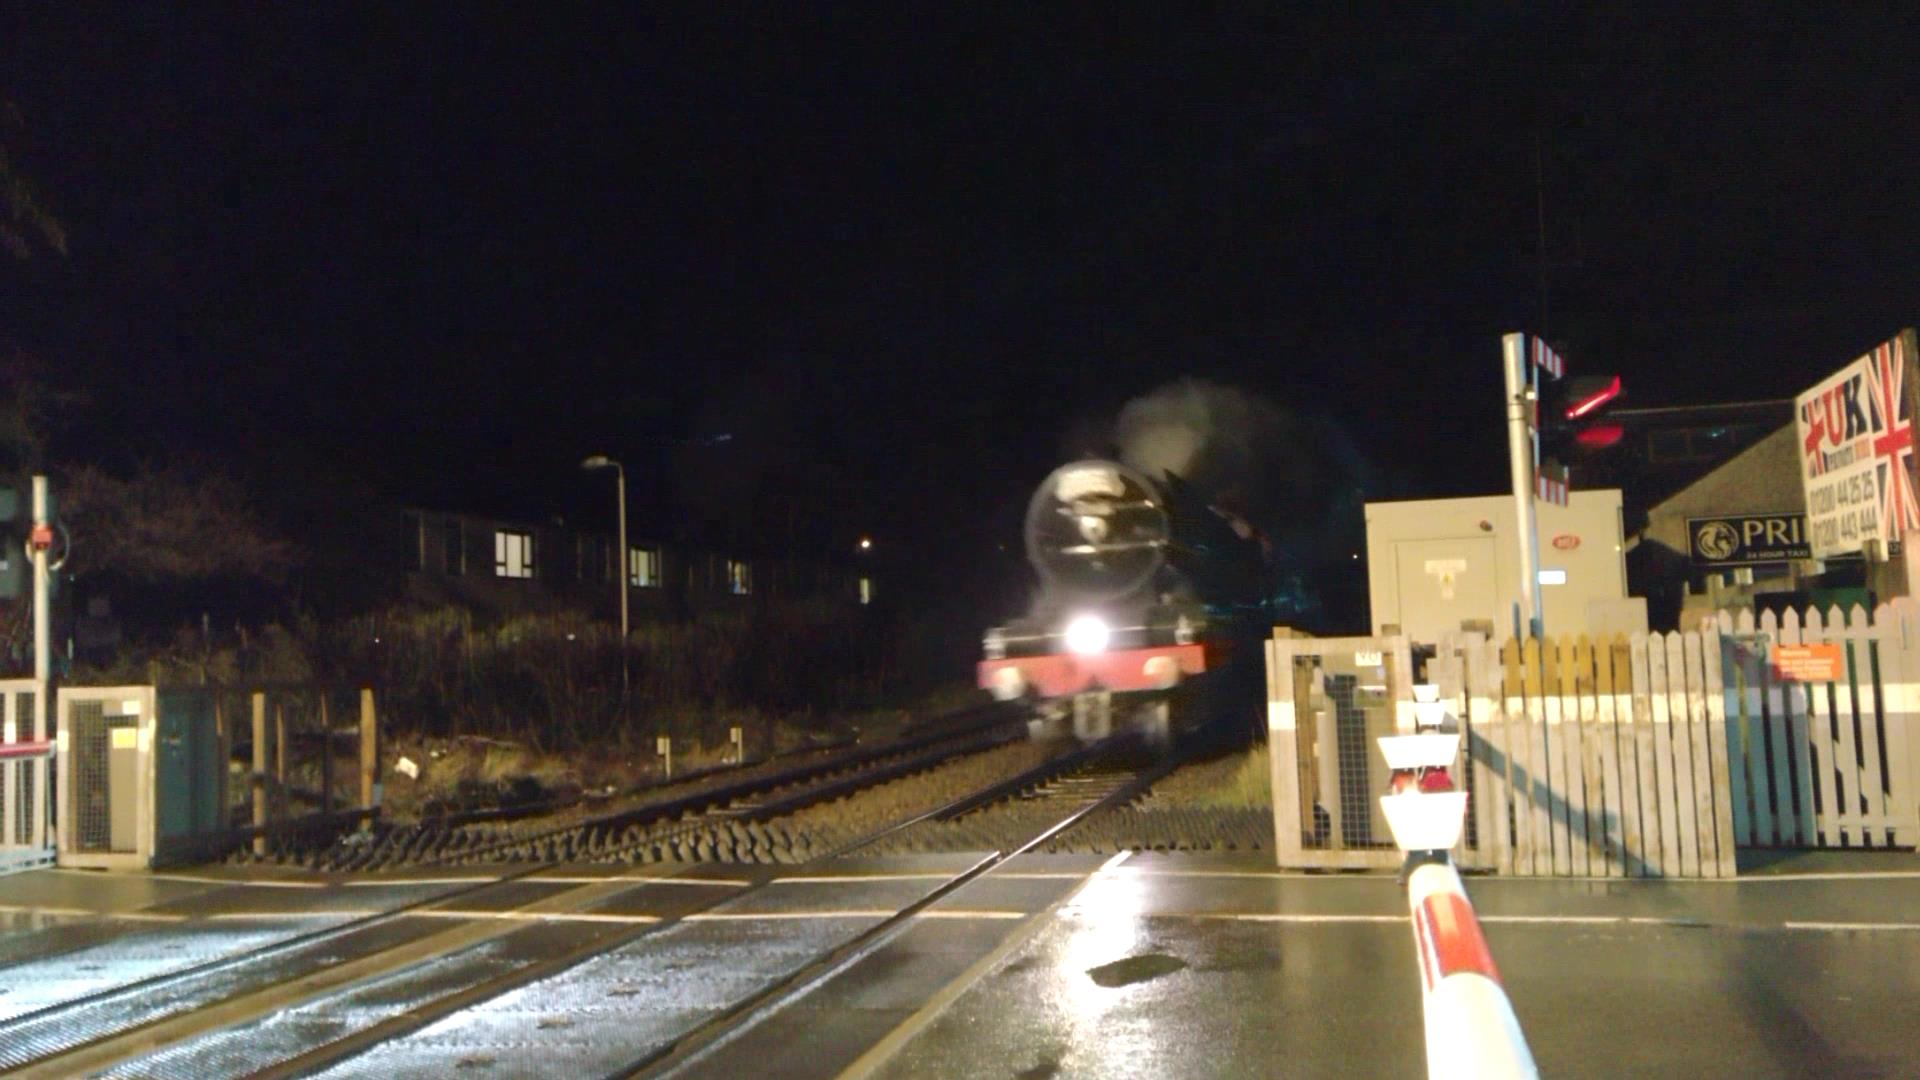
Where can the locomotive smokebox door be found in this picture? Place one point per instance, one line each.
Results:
(1096, 530)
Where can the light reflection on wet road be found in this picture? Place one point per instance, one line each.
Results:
(1161, 966)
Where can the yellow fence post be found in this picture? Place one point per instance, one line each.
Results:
(259, 777)
(369, 759)
(280, 800)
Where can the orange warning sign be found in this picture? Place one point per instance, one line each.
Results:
(1806, 663)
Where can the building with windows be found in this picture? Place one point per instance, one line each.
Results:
(504, 566)
(1663, 450)
(1736, 538)
(1680, 468)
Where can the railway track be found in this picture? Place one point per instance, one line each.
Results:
(363, 980)
(591, 829)
(1109, 777)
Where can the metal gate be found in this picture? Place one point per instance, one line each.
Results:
(1329, 699)
(106, 736)
(26, 754)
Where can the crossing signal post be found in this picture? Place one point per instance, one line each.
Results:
(1572, 420)
(27, 536)
(1523, 454)
(40, 542)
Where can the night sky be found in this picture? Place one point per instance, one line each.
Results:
(438, 258)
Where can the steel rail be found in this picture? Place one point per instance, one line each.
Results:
(678, 805)
(12, 1027)
(994, 711)
(743, 1014)
(860, 773)
(431, 1012)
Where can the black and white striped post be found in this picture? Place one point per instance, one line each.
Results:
(1471, 1030)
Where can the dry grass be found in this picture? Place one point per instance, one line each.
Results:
(472, 771)
(1238, 781)
(467, 772)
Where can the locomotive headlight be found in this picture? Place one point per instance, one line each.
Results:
(1087, 635)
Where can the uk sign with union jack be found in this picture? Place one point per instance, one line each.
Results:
(1856, 452)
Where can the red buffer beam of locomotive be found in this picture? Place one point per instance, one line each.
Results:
(1064, 674)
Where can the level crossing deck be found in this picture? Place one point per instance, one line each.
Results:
(1148, 965)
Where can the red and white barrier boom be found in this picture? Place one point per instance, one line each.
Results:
(10, 751)
(1471, 1029)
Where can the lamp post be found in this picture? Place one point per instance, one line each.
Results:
(601, 461)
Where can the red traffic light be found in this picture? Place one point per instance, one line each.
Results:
(1599, 436)
(1586, 396)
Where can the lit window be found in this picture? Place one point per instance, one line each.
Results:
(739, 577)
(512, 554)
(866, 590)
(643, 567)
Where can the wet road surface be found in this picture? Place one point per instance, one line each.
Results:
(1149, 965)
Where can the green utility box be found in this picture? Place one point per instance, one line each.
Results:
(141, 776)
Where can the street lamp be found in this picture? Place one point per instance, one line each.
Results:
(602, 461)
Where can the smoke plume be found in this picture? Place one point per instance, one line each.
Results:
(1298, 479)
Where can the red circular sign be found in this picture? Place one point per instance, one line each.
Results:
(1566, 542)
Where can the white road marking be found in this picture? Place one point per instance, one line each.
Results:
(1757, 879)
(1844, 926)
(1273, 917)
(1865, 875)
(85, 913)
(465, 914)
(1754, 879)
(539, 916)
(1041, 875)
(838, 879)
(1575, 920)
(1545, 920)
(747, 916)
(251, 883)
(557, 879)
(244, 916)
(639, 879)
(401, 883)
(609, 917)
(931, 875)
(1144, 871)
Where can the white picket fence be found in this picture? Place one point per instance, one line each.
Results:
(1651, 755)
(1825, 764)
(1594, 759)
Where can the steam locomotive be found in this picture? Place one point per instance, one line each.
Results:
(1143, 586)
